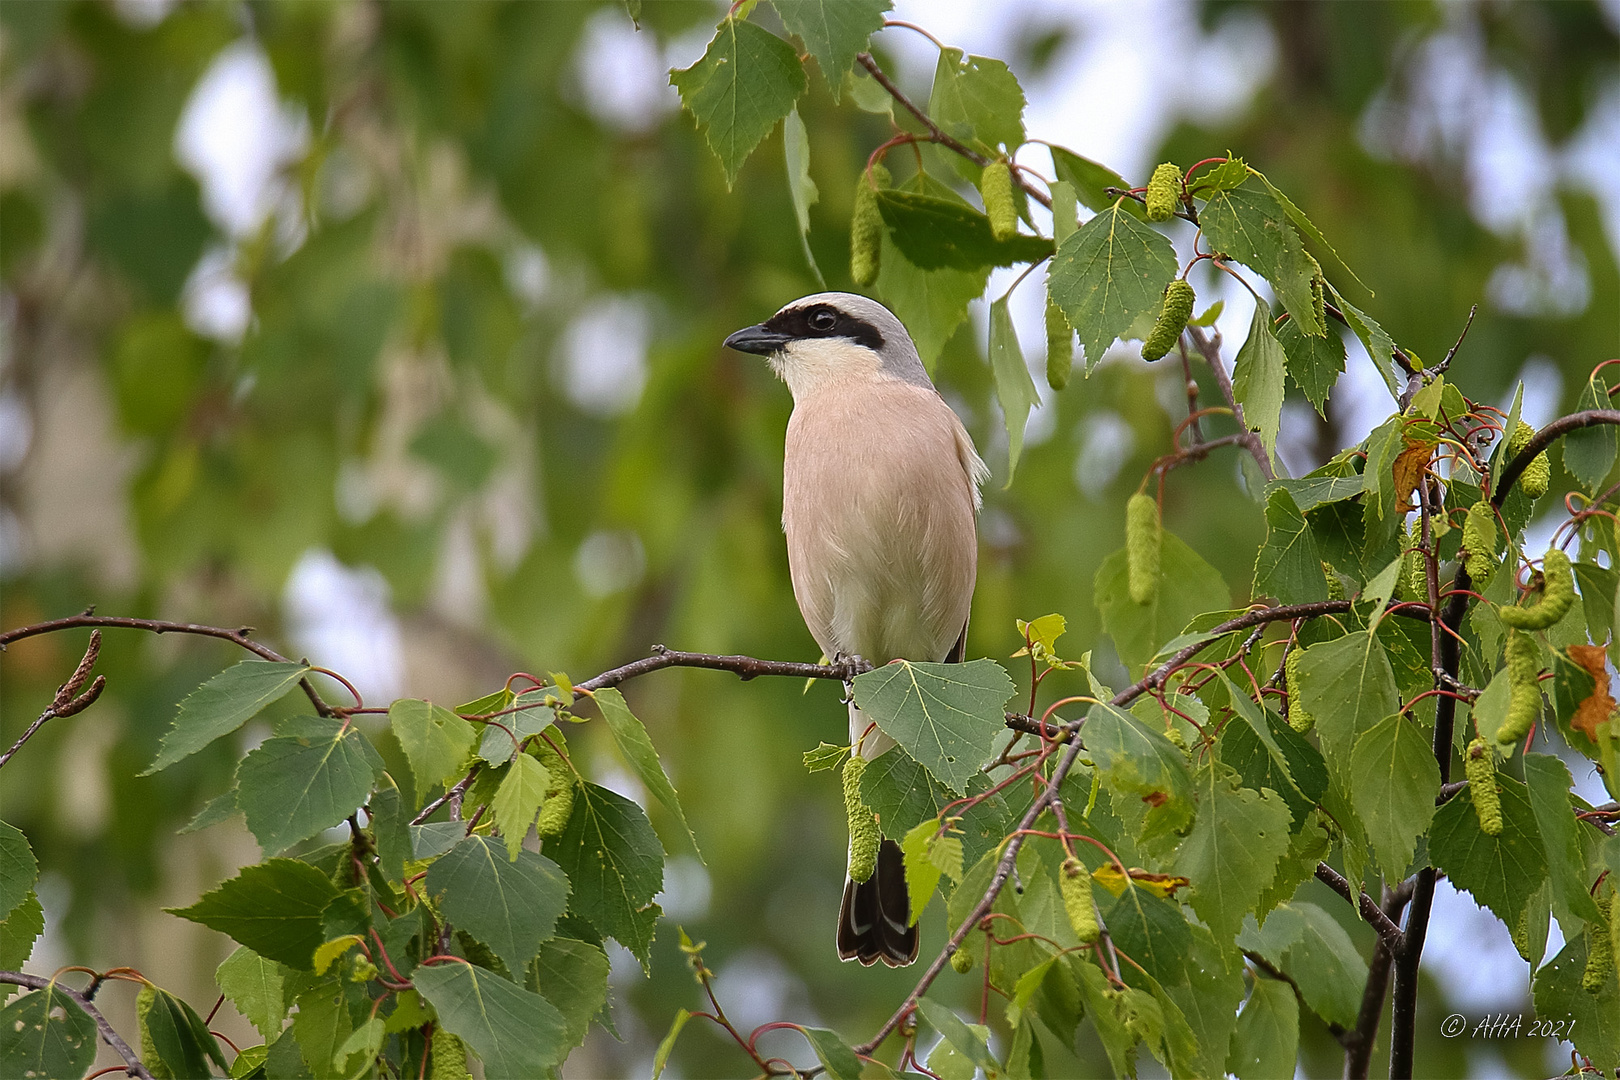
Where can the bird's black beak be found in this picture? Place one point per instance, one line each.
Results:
(757, 340)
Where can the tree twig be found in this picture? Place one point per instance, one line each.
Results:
(1371, 913)
(132, 1060)
(1211, 352)
(939, 135)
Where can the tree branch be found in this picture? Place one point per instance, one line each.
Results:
(1211, 353)
(1543, 439)
(1373, 915)
(132, 1060)
(938, 135)
(238, 636)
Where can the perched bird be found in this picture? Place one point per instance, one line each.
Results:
(880, 496)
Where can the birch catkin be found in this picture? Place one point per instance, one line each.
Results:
(1524, 691)
(1481, 773)
(559, 800)
(866, 227)
(1142, 543)
(1163, 192)
(1537, 475)
(1059, 346)
(995, 186)
(864, 838)
(1077, 900)
(1557, 596)
(1479, 541)
(1172, 320)
(1298, 719)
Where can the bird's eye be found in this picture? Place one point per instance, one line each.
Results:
(823, 321)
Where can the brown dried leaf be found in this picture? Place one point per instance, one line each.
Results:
(1596, 709)
(1408, 469)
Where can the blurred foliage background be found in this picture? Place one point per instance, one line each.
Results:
(392, 330)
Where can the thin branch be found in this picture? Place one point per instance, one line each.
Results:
(1543, 439)
(744, 667)
(1371, 913)
(1338, 1031)
(937, 134)
(238, 636)
(1211, 352)
(29, 734)
(132, 1060)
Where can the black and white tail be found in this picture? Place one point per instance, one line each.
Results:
(874, 921)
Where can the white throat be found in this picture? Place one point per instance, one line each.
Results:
(811, 364)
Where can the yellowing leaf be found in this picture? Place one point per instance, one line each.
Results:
(331, 950)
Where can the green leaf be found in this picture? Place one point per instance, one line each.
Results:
(834, 1054)
(510, 906)
(1257, 379)
(922, 876)
(1091, 180)
(514, 1032)
(824, 756)
(367, 1039)
(1594, 1019)
(1500, 872)
(273, 908)
(1208, 1001)
(1301, 937)
(390, 823)
(517, 801)
(293, 786)
(254, 986)
(1122, 1019)
(1308, 227)
(1251, 226)
(1266, 1040)
(436, 741)
(1308, 846)
(1112, 271)
(1229, 174)
(1153, 932)
(1379, 345)
(801, 189)
(931, 303)
(1548, 782)
(1314, 363)
(1015, 390)
(834, 31)
(1232, 851)
(978, 100)
(497, 746)
(1313, 491)
(746, 81)
(1393, 784)
(573, 976)
(964, 1040)
(1142, 767)
(947, 716)
(435, 838)
(667, 1046)
(18, 870)
(219, 809)
(223, 704)
(19, 930)
(1289, 566)
(1188, 587)
(637, 748)
(613, 860)
(935, 233)
(1589, 452)
(46, 1034)
(1267, 753)
(321, 1025)
(179, 1036)
(1348, 685)
(902, 793)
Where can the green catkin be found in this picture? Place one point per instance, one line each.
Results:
(866, 227)
(1538, 474)
(559, 802)
(1481, 773)
(1524, 691)
(1173, 316)
(1521, 932)
(1059, 346)
(1600, 955)
(1077, 900)
(449, 1057)
(962, 958)
(1142, 541)
(1298, 719)
(996, 187)
(1163, 192)
(1558, 595)
(1614, 930)
(1414, 575)
(1335, 584)
(864, 838)
(1479, 542)
(149, 1055)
